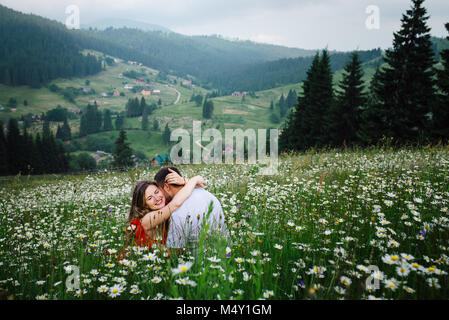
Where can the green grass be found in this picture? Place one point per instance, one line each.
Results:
(308, 232)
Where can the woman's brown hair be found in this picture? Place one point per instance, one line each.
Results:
(138, 206)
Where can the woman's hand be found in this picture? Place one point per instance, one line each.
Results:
(200, 182)
(175, 178)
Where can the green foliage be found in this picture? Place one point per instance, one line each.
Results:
(86, 162)
(50, 52)
(122, 152)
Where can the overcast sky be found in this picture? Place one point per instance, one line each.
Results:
(309, 24)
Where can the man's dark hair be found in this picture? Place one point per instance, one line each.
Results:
(162, 173)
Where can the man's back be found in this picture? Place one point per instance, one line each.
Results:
(186, 221)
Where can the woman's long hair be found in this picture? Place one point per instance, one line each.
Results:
(138, 206)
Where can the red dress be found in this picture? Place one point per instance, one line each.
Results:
(141, 239)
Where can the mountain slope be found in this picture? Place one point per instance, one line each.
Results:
(35, 50)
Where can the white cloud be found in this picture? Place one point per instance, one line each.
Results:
(312, 24)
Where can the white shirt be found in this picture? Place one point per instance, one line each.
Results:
(186, 221)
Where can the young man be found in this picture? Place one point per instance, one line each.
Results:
(186, 222)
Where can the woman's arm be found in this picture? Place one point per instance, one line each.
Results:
(175, 178)
(154, 218)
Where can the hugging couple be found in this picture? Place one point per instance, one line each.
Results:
(170, 210)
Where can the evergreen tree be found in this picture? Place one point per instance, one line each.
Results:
(14, 143)
(36, 155)
(166, 135)
(122, 153)
(155, 125)
(271, 105)
(59, 134)
(107, 123)
(119, 122)
(3, 152)
(407, 91)
(28, 146)
(83, 126)
(66, 131)
(208, 109)
(441, 112)
(145, 119)
(373, 123)
(282, 106)
(292, 99)
(344, 116)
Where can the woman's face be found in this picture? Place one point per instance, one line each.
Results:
(154, 198)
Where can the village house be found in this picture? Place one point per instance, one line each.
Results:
(140, 81)
(104, 95)
(128, 86)
(116, 94)
(156, 92)
(239, 94)
(187, 82)
(86, 90)
(146, 92)
(75, 111)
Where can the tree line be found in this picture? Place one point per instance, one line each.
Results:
(35, 50)
(21, 152)
(407, 99)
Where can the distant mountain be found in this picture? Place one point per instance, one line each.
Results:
(121, 23)
(35, 50)
(198, 56)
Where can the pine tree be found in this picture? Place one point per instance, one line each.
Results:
(441, 112)
(282, 106)
(407, 91)
(122, 153)
(271, 105)
(36, 155)
(145, 119)
(83, 126)
(373, 122)
(119, 122)
(59, 134)
(3, 152)
(296, 132)
(66, 131)
(14, 147)
(26, 152)
(107, 123)
(166, 135)
(344, 116)
(208, 109)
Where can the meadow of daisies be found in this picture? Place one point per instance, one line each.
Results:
(364, 224)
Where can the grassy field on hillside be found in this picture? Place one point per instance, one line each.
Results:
(364, 224)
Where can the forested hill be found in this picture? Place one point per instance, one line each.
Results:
(199, 56)
(35, 50)
(277, 73)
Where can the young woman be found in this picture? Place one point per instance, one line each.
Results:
(149, 214)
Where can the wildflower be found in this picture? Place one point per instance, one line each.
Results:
(214, 259)
(391, 284)
(246, 276)
(433, 282)
(268, 293)
(408, 289)
(40, 282)
(388, 203)
(182, 267)
(186, 281)
(346, 281)
(102, 289)
(116, 290)
(156, 280)
(42, 297)
(402, 270)
(278, 246)
(238, 260)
